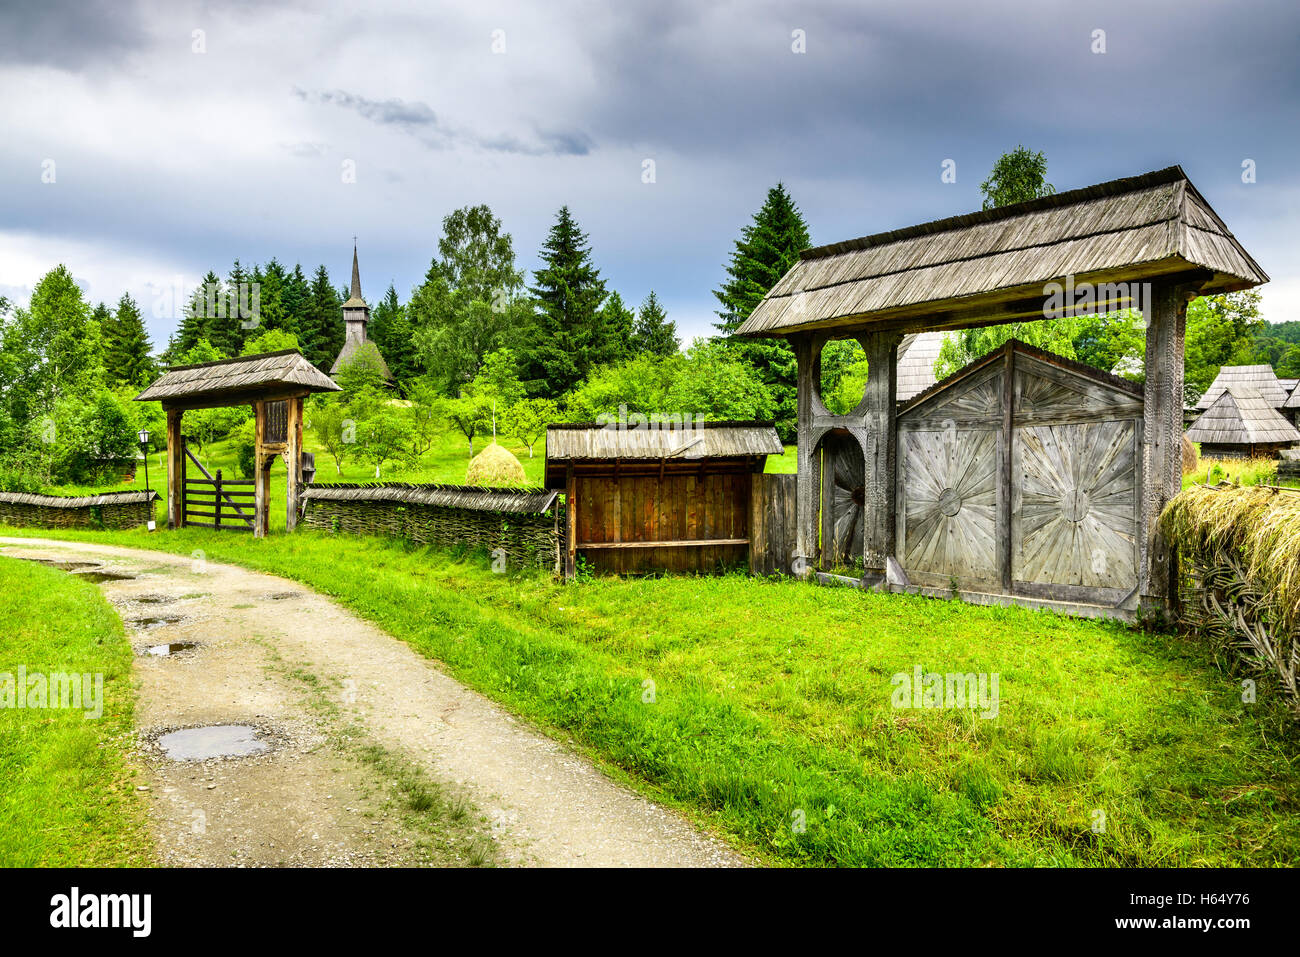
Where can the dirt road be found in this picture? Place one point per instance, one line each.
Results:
(370, 754)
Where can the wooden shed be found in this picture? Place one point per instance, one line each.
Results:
(650, 497)
(1240, 423)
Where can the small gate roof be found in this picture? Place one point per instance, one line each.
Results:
(992, 266)
(237, 380)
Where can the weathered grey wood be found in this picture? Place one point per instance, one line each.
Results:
(879, 407)
(808, 355)
(1162, 438)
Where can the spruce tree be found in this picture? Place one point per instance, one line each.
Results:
(767, 248)
(227, 332)
(108, 335)
(617, 336)
(129, 356)
(654, 334)
(564, 336)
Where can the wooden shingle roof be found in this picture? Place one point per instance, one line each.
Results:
(530, 501)
(994, 264)
(1260, 378)
(1241, 416)
(237, 380)
(591, 441)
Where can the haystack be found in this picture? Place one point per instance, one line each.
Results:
(495, 466)
(1189, 456)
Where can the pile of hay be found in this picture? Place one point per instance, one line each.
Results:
(1189, 456)
(1247, 540)
(495, 466)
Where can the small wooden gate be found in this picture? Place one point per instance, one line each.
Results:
(1020, 475)
(227, 502)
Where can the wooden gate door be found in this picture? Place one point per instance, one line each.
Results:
(1020, 475)
(228, 503)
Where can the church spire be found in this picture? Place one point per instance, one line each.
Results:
(356, 274)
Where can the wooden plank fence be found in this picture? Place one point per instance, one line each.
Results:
(772, 524)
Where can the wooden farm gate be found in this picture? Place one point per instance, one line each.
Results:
(1021, 475)
(226, 503)
(772, 525)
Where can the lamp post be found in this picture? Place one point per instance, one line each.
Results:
(143, 436)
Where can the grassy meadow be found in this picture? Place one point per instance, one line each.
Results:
(762, 709)
(67, 795)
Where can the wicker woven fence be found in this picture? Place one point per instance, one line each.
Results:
(104, 510)
(519, 526)
(1238, 575)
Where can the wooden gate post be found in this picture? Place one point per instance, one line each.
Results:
(175, 468)
(879, 408)
(1162, 430)
(261, 473)
(293, 480)
(807, 492)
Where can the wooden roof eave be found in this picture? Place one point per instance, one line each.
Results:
(1012, 304)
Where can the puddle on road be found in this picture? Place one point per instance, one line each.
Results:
(98, 577)
(156, 621)
(282, 595)
(217, 741)
(152, 599)
(166, 651)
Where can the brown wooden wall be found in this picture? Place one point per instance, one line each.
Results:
(636, 520)
(773, 524)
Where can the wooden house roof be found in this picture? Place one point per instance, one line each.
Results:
(530, 501)
(917, 355)
(1260, 378)
(79, 501)
(237, 380)
(1241, 416)
(591, 441)
(993, 265)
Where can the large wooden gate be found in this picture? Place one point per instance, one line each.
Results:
(1020, 475)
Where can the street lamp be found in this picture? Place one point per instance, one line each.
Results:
(143, 436)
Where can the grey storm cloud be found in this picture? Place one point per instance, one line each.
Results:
(70, 34)
(420, 120)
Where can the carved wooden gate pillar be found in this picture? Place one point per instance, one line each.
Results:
(878, 409)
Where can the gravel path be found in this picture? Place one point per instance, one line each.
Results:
(263, 646)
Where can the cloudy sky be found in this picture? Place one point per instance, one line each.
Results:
(174, 151)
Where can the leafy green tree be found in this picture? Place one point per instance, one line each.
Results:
(527, 420)
(838, 357)
(715, 384)
(1016, 177)
(638, 386)
(654, 334)
(766, 250)
(331, 423)
(91, 438)
(363, 370)
(563, 343)
(470, 415)
(202, 351)
(272, 340)
(426, 412)
(70, 358)
(498, 379)
(381, 433)
(470, 302)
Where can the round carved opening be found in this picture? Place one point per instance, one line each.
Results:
(1075, 505)
(949, 501)
(859, 496)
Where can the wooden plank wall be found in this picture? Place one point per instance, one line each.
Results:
(773, 524)
(676, 507)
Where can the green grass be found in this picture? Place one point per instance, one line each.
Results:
(772, 701)
(66, 793)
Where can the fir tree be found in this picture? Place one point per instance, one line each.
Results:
(563, 336)
(129, 357)
(617, 337)
(654, 334)
(767, 248)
